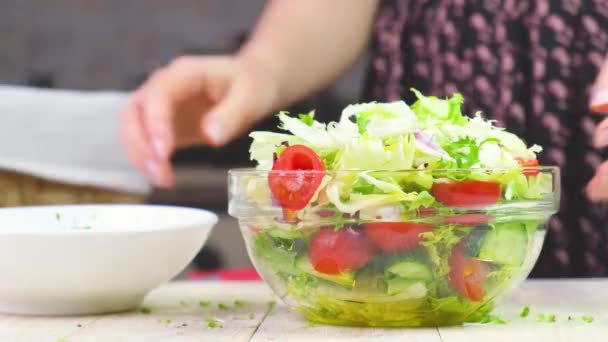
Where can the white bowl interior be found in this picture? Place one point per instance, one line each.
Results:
(88, 259)
(100, 218)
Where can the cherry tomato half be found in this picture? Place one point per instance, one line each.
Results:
(530, 166)
(293, 190)
(467, 275)
(467, 194)
(333, 252)
(395, 237)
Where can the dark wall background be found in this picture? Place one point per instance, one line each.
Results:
(114, 44)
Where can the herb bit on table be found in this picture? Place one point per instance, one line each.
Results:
(546, 318)
(524, 312)
(493, 319)
(212, 322)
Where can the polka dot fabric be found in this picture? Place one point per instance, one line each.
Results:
(530, 66)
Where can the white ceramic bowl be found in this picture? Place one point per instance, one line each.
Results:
(93, 259)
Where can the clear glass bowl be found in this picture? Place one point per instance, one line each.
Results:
(389, 265)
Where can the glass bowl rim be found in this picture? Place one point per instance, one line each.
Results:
(250, 171)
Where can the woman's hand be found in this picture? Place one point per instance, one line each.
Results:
(193, 101)
(298, 47)
(597, 189)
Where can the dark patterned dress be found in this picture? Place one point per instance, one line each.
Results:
(530, 66)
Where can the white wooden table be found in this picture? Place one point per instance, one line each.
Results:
(177, 316)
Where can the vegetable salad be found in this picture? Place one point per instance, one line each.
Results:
(395, 215)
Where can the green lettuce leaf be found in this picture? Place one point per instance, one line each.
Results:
(308, 119)
(392, 194)
(265, 144)
(432, 108)
(277, 253)
(438, 244)
(381, 119)
(533, 187)
(356, 201)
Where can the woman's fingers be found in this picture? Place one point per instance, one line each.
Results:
(600, 136)
(194, 100)
(597, 189)
(598, 101)
(229, 116)
(138, 148)
(158, 106)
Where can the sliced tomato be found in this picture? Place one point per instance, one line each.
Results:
(467, 275)
(468, 219)
(293, 190)
(395, 237)
(333, 252)
(530, 166)
(467, 194)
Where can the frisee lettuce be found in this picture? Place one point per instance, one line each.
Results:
(431, 134)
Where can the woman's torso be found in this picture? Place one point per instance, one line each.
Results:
(527, 64)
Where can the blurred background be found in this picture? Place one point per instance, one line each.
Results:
(115, 44)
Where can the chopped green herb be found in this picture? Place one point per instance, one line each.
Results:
(222, 306)
(86, 227)
(570, 318)
(239, 303)
(204, 303)
(183, 303)
(546, 318)
(146, 311)
(62, 340)
(58, 216)
(493, 319)
(212, 322)
(308, 119)
(251, 315)
(165, 321)
(525, 312)
(272, 304)
(587, 319)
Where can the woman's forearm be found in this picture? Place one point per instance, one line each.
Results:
(305, 44)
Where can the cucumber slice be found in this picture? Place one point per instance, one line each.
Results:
(505, 244)
(346, 279)
(473, 241)
(409, 270)
(399, 285)
(405, 275)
